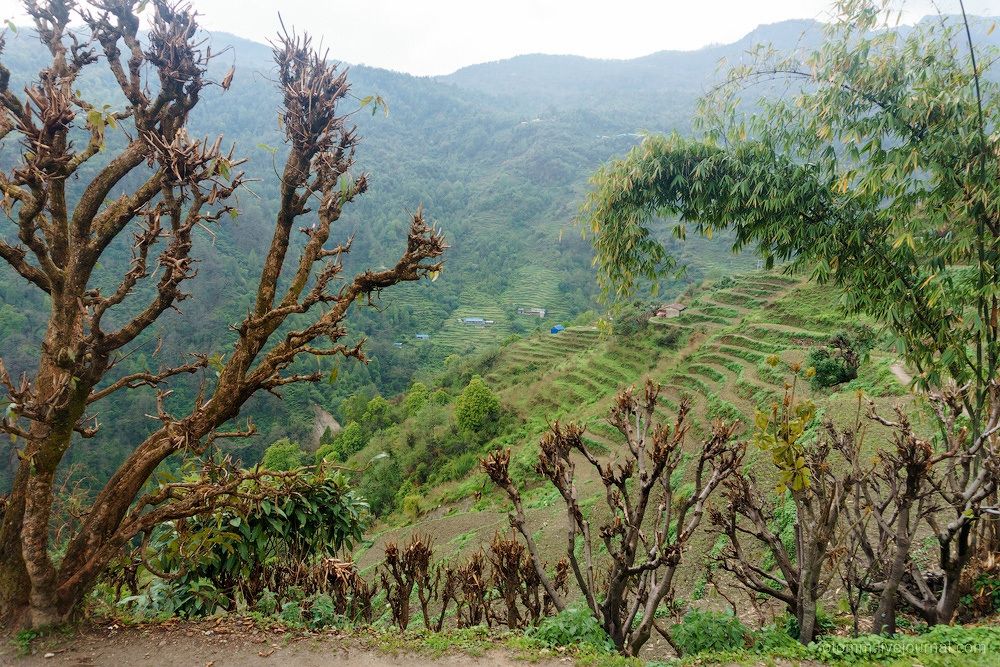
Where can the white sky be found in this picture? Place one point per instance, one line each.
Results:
(427, 37)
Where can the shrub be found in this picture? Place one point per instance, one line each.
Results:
(824, 624)
(376, 415)
(380, 484)
(702, 631)
(350, 441)
(411, 506)
(415, 399)
(283, 455)
(573, 626)
(477, 407)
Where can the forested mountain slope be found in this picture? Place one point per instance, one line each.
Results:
(498, 153)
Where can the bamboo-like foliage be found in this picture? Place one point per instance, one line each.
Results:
(871, 162)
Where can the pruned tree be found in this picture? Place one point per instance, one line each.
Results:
(408, 569)
(886, 508)
(650, 522)
(944, 484)
(170, 184)
(817, 485)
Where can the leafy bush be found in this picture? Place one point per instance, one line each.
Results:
(573, 626)
(983, 597)
(283, 455)
(631, 318)
(824, 623)
(380, 484)
(702, 631)
(215, 560)
(477, 407)
(838, 361)
(376, 415)
(416, 398)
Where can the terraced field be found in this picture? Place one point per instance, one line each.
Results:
(535, 288)
(726, 375)
(716, 354)
(457, 336)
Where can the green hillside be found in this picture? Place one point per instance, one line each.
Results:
(504, 184)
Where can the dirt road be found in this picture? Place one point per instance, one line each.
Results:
(230, 644)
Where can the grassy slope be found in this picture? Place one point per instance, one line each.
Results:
(573, 375)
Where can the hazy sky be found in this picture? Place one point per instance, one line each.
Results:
(439, 36)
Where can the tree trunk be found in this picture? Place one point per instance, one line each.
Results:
(885, 615)
(807, 619)
(15, 585)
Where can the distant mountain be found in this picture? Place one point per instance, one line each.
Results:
(654, 92)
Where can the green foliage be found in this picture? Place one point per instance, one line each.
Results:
(574, 626)
(380, 484)
(416, 398)
(824, 624)
(838, 361)
(22, 640)
(630, 318)
(702, 631)
(983, 598)
(376, 415)
(217, 558)
(412, 507)
(965, 645)
(873, 169)
(477, 408)
(283, 455)
(327, 452)
(781, 434)
(350, 441)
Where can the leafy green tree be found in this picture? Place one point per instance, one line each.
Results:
(283, 455)
(352, 408)
(477, 406)
(441, 397)
(351, 441)
(376, 415)
(416, 398)
(874, 167)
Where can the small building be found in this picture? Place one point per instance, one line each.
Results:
(671, 310)
(556, 329)
(475, 322)
(532, 311)
(422, 336)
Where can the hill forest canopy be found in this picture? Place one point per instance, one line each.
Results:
(502, 169)
(234, 339)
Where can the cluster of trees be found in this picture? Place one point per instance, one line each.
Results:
(875, 169)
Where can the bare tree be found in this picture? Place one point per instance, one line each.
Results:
(650, 522)
(171, 185)
(947, 487)
(819, 491)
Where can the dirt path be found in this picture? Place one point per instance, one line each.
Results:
(229, 644)
(901, 374)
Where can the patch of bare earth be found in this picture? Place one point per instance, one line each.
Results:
(227, 643)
